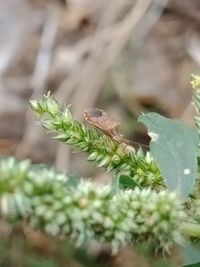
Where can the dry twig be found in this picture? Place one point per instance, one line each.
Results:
(39, 79)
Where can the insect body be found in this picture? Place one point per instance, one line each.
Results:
(108, 125)
(102, 121)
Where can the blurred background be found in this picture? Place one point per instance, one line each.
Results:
(124, 56)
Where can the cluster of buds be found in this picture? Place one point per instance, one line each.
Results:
(102, 150)
(50, 201)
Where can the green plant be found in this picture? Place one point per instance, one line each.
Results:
(154, 197)
(101, 150)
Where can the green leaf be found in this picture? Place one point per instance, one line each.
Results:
(191, 255)
(127, 182)
(174, 148)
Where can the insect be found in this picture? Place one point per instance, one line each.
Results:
(108, 125)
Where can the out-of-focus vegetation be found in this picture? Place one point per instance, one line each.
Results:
(34, 249)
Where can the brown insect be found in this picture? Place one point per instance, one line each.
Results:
(108, 125)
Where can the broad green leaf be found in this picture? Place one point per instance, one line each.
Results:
(174, 148)
(191, 255)
(127, 182)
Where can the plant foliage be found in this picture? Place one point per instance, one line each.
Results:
(174, 147)
(149, 206)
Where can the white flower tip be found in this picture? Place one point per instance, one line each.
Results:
(154, 136)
